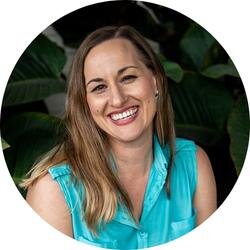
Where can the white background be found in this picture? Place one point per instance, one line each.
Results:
(21, 21)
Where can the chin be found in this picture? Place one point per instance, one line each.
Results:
(130, 137)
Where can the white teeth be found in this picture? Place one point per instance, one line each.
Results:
(124, 115)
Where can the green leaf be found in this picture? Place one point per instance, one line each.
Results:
(30, 135)
(238, 128)
(42, 59)
(196, 43)
(173, 70)
(4, 144)
(220, 70)
(37, 73)
(31, 90)
(201, 107)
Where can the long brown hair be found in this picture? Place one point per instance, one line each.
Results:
(85, 147)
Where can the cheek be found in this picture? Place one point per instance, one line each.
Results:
(148, 92)
(148, 95)
(151, 105)
(95, 106)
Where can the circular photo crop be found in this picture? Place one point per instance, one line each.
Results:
(125, 124)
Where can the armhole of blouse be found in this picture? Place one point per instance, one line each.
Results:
(195, 170)
(190, 152)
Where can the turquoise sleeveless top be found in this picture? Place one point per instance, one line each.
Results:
(163, 219)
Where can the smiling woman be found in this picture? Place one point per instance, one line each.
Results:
(122, 102)
(121, 179)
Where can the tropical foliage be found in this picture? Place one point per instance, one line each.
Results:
(208, 96)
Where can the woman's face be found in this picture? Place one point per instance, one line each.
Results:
(120, 90)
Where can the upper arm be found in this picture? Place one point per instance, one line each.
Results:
(205, 200)
(46, 198)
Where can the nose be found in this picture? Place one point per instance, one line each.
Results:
(117, 96)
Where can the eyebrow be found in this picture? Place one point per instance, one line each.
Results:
(119, 72)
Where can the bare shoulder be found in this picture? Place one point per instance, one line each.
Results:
(205, 199)
(46, 198)
(44, 192)
(205, 170)
(203, 161)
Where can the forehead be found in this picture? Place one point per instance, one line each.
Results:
(113, 53)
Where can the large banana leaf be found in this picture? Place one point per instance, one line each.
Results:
(201, 107)
(196, 44)
(30, 135)
(238, 128)
(37, 73)
(30, 90)
(42, 58)
(219, 70)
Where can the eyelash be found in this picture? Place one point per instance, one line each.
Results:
(126, 79)
(98, 88)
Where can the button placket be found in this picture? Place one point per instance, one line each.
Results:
(142, 238)
(143, 234)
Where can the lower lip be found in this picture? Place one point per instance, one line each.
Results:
(126, 121)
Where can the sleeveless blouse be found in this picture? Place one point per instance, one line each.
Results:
(163, 219)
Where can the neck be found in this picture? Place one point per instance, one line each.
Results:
(133, 159)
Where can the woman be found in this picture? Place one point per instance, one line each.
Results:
(121, 179)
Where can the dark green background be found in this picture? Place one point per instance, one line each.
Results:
(208, 95)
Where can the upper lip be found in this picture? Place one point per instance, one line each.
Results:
(122, 110)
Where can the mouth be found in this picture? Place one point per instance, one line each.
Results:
(124, 115)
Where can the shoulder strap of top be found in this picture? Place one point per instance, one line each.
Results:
(185, 144)
(187, 161)
(59, 170)
(72, 192)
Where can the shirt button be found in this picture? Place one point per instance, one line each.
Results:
(143, 234)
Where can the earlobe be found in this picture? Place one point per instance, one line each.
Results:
(156, 94)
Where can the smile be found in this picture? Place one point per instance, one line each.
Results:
(124, 115)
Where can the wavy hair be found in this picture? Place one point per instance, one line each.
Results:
(85, 147)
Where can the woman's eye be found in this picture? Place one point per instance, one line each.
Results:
(128, 78)
(99, 88)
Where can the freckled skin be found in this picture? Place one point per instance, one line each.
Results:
(104, 62)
